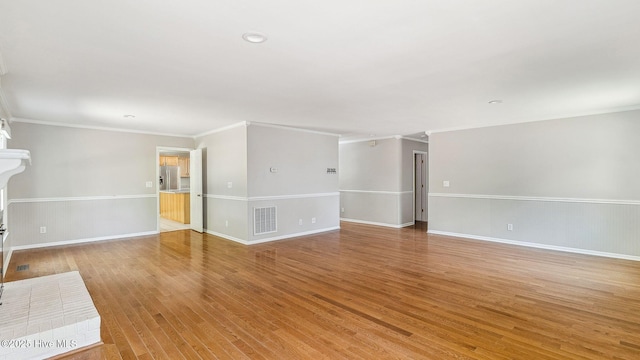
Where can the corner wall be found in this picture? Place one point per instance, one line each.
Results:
(269, 166)
(83, 184)
(568, 184)
(376, 182)
(225, 184)
(287, 168)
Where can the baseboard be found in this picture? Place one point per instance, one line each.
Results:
(80, 241)
(538, 246)
(225, 236)
(396, 226)
(289, 236)
(275, 238)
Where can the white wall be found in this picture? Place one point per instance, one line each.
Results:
(567, 183)
(376, 182)
(83, 184)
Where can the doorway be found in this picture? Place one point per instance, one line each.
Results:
(421, 186)
(179, 180)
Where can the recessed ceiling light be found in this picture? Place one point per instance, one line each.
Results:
(254, 37)
(129, 116)
(495, 102)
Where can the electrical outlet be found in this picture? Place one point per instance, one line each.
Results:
(313, 220)
(149, 184)
(342, 210)
(299, 221)
(43, 229)
(510, 227)
(226, 223)
(445, 183)
(229, 185)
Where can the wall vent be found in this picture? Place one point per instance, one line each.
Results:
(265, 220)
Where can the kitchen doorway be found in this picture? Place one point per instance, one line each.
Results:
(173, 189)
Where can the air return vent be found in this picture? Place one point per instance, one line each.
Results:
(265, 220)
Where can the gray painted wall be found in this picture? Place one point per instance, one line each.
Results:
(224, 162)
(376, 182)
(567, 183)
(301, 189)
(83, 184)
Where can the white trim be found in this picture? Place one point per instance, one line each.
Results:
(533, 198)
(396, 226)
(275, 126)
(5, 264)
(260, 241)
(397, 137)
(226, 197)
(378, 192)
(416, 140)
(224, 128)
(288, 236)
(369, 139)
(558, 117)
(81, 241)
(90, 127)
(536, 245)
(294, 196)
(273, 197)
(81, 198)
(225, 236)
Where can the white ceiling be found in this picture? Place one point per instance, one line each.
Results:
(343, 66)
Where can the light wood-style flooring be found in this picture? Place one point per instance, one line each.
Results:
(362, 292)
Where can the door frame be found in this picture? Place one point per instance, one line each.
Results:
(425, 153)
(160, 149)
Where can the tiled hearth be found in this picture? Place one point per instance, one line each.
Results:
(47, 316)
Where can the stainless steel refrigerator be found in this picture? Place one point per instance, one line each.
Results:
(169, 178)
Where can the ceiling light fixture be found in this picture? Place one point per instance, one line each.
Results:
(254, 37)
(495, 102)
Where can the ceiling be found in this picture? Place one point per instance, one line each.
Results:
(352, 67)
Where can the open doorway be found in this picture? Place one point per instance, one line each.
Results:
(421, 187)
(173, 181)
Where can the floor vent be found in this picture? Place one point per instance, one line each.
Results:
(265, 220)
(24, 267)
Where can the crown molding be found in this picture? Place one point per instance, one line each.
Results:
(292, 128)
(560, 117)
(88, 127)
(376, 138)
(224, 128)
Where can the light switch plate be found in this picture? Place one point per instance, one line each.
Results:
(149, 184)
(445, 183)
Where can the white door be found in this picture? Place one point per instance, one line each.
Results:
(195, 172)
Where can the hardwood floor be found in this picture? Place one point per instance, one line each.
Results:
(363, 292)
